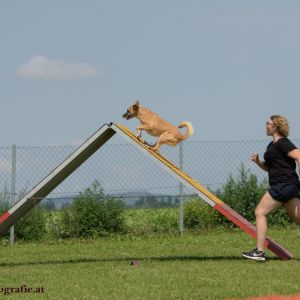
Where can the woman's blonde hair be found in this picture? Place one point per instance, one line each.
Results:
(282, 125)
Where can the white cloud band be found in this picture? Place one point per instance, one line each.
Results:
(40, 67)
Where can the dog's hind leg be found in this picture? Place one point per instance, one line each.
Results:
(167, 139)
(149, 145)
(157, 145)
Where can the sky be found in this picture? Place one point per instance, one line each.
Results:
(67, 67)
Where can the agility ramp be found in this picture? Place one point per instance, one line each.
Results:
(89, 147)
(53, 179)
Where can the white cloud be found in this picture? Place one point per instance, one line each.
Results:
(41, 67)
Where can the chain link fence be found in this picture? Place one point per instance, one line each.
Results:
(124, 171)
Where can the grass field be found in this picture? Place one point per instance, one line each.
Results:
(207, 265)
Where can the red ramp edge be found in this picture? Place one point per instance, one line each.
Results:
(249, 228)
(4, 217)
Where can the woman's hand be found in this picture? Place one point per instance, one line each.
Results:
(260, 163)
(255, 157)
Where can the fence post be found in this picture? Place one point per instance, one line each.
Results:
(13, 190)
(181, 228)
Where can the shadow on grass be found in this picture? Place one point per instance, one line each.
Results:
(129, 259)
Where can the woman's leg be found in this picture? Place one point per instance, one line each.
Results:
(293, 209)
(266, 205)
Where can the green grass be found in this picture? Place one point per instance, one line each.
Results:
(207, 265)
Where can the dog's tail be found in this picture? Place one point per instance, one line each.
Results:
(189, 131)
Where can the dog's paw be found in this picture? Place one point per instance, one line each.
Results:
(154, 150)
(139, 138)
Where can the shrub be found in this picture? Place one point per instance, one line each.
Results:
(243, 194)
(60, 224)
(199, 215)
(32, 226)
(92, 214)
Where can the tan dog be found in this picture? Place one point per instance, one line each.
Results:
(156, 126)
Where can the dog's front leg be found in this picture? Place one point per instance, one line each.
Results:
(139, 133)
(139, 129)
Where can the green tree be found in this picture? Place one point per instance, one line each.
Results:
(243, 194)
(199, 215)
(93, 214)
(31, 226)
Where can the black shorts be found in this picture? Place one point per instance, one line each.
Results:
(284, 192)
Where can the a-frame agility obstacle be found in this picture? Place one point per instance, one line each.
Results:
(89, 147)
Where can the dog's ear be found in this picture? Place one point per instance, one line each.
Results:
(136, 105)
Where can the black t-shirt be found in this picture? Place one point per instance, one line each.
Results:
(281, 168)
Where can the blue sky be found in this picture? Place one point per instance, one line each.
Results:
(67, 67)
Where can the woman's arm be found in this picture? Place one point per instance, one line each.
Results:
(295, 154)
(260, 163)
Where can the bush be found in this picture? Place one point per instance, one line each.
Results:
(199, 215)
(32, 226)
(279, 217)
(92, 215)
(243, 194)
(60, 224)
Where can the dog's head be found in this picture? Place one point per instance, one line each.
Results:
(132, 111)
